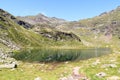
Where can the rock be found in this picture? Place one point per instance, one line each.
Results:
(104, 66)
(96, 62)
(70, 78)
(6, 61)
(113, 60)
(113, 65)
(101, 74)
(9, 66)
(109, 65)
(60, 36)
(38, 78)
(113, 78)
(76, 71)
(75, 75)
(9, 44)
(64, 78)
(24, 24)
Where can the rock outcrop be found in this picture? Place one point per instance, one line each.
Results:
(12, 18)
(9, 44)
(6, 61)
(60, 36)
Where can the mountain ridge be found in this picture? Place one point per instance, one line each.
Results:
(42, 19)
(16, 34)
(104, 27)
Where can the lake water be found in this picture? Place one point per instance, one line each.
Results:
(48, 55)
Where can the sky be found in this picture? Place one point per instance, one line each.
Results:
(71, 10)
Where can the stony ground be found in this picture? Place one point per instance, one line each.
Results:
(6, 61)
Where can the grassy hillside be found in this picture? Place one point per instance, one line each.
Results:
(15, 34)
(107, 22)
(99, 31)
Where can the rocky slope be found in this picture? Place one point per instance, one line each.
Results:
(107, 23)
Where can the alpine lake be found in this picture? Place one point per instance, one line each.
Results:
(59, 55)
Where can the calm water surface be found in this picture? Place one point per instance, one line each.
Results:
(47, 55)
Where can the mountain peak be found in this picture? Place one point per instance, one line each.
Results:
(42, 19)
(40, 15)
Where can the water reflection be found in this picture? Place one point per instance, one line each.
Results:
(48, 55)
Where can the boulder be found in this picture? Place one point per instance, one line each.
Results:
(8, 66)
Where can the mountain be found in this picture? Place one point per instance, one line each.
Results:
(42, 19)
(16, 34)
(46, 27)
(11, 17)
(107, 24)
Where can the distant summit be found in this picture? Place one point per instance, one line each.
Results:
(41, 19)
